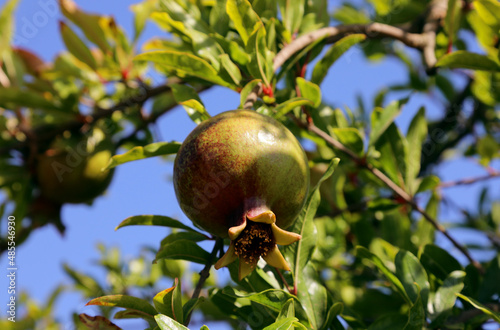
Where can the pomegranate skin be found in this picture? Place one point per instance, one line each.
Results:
(237, 164)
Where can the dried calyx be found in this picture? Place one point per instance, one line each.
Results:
(257, 237)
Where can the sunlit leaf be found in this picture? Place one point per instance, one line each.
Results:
(243, 16)
(189, 99)
(284, 324)
(416, 136)
(124, 301)
(76, 46)
(287, 106)
(410, 271)
(151, 150)
(167, 323)
(495, 316)
(169, 302)
(310, 91)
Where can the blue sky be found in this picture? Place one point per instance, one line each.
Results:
(143, 187)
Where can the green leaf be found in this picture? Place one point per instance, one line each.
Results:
(481, 307)
(381, 119)
(333, 54)
(189, 99)
(90, 24)
(410, 271)
(124, 301)
(137, 153)
(292, 13)
(247, 90)
(452, 19)
(245, 19)
(362, 252)
(310, 91)
(260, 65)
(488, 148)
(76, 46)
(154, 220)
(189, 235)
(417, 132)
(7, 25)
(429, 182)
(333, 312)
(273, 299)
(191, 305)
(416, 315)
(287, 106)
(88, 284)
(183, 250)
(393, 149)
(489, 11)
(350, 137)
(231, 69)
(298, 254)
(11, 98)
(467, 60)
(445, 296)
(142, 12)
(169, 302)
(288, 310)
(184, 64)
(389, 321)
(283, 324)
(438, 261)
(167, 323)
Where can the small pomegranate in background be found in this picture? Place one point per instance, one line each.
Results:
(70, 171)
(245, 176)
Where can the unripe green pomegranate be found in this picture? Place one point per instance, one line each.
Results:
(245, 176)
(70, 171)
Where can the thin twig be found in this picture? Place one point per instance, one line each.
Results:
(469, 180)
(204, 274)
(396, 189)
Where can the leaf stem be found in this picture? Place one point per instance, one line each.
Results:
(205, 273)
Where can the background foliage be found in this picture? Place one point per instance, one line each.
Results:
(372, 254)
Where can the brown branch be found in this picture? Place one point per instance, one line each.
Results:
(469, 180)
(395, 188)
(425, 41)
(252, 97)
(205, 273)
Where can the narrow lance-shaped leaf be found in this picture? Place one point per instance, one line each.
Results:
(416, 314)
(382, 119)
(184, 64)
(13, 97)
(169, 302)
(7, 24)
(467, 60)
(89, 23)
(362, 252)
(183, 250)
(415, 137)
(256, 47)
(292, 13)
(76, 46)
(481, 307)
(167, 323)
(287, 106)
(245, 19)
(124, 301)
(189, 99)
(142, 12)
(489, 11)
(333, 54)
(283, 324)
(154, 220)
(151, 150)
(272, 298)
(97, 322)
(299, 253)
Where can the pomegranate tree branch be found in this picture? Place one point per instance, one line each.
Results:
(205, 273)
(252, 97)
(394, 187)
(468, 181)
(425, 41)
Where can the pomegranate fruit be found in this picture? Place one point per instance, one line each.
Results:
(245, 176)
(70, 170)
